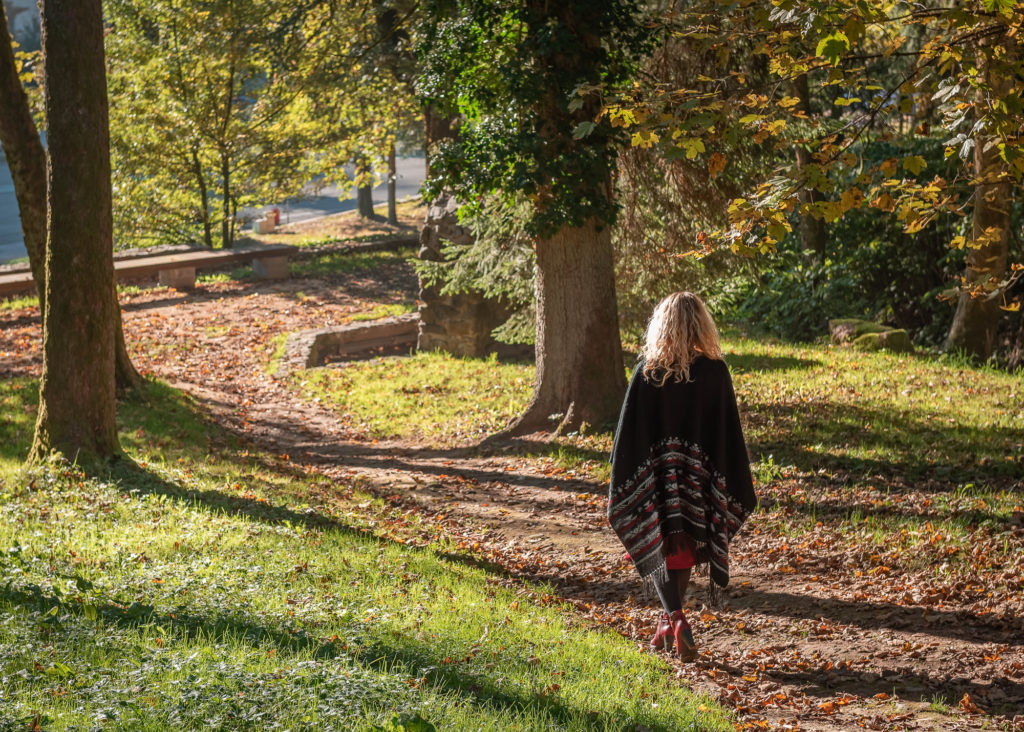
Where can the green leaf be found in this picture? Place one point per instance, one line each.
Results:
(833, 46)
(915, 164)
(583, 129)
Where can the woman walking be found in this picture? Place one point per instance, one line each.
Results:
(681, 485)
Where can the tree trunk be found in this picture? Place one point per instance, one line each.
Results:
(364, 193)
(204, 199)
(392, 186)
(813, 230)
(436, 127)
(26, 160)
(77, 389)
(364, 202)
(976, 322)
(226, 229)
(580, 376)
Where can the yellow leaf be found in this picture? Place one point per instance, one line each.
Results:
(915, 164)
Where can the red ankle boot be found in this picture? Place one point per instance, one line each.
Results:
(663, 634)
(686, 648)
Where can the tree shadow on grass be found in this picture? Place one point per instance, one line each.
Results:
(922, 449)
(744, 363)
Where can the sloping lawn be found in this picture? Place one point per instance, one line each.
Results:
(211, 588)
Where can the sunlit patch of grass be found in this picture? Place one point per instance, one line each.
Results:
(242, 272)
(276, 349)
(429, 396)
(19, 303)
(385, 311)
(835, 408)
(214, 587)
(342, 262)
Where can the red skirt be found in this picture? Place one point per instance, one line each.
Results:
(681, 558)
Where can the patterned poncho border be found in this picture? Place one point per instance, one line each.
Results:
(680, 466)
(676, 490)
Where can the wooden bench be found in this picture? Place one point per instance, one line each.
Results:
(178, 270)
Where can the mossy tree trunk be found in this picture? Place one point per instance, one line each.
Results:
(77, 390)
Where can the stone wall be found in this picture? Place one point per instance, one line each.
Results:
(459, 324)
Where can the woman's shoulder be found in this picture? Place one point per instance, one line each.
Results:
(707, 364)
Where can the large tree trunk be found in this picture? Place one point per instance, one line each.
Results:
(976, 322)
(392, 186)
(26, 160)
(580, 377)
(77, 407)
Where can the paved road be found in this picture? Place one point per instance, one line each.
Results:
(411, 172)
(11, 244)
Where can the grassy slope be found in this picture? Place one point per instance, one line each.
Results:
(217, 589)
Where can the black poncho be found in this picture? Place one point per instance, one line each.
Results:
(679, 465)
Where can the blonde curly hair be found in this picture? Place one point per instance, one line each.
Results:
(681, 328)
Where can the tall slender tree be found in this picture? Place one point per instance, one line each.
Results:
(77, 390)
(26, 160)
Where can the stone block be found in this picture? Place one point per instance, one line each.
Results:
(270, 268)
(896, 341)
(845, 330)
(180, 278)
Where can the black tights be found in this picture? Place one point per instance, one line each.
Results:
(672, 592)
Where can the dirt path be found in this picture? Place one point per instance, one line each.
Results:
(796, 646)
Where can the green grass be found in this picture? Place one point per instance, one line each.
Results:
(909, 416)
(385, 311)
(211, 588)
(17, 303)
(343, 262)
(243, 272)
(427, 396)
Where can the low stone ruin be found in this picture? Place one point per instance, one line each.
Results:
(309, 348)
(866, 335)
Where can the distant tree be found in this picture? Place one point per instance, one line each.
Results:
(26, 159)
(77, 389)
(218, 106)
(509, 70)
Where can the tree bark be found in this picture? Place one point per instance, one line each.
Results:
(204, 199)
(77, 390)
(580, 377)
(226, 229)
(436, 127)
(364, 193)
(976, 321)
(392, 186)
(364, 202)
(26, 160)
(813, 231)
